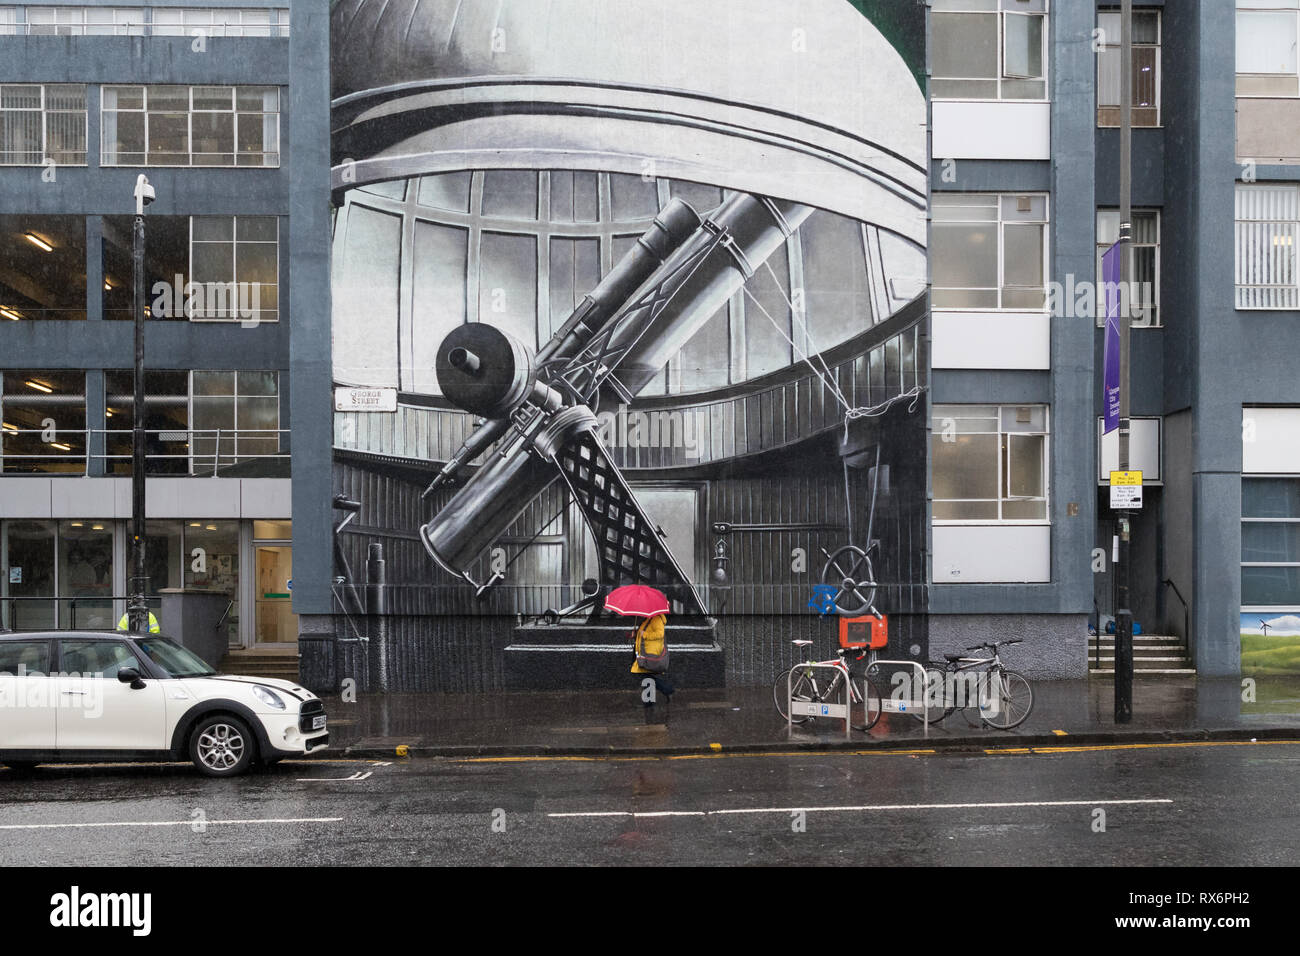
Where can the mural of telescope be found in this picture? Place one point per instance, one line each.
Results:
(539, 410)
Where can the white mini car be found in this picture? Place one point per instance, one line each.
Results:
(87, 695)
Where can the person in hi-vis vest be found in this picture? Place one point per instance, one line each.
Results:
(125, 623)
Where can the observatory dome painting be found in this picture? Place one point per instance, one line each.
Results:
(625, 293)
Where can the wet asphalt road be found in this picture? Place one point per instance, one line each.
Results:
(1189, 804)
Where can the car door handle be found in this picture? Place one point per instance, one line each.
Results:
(74, 693)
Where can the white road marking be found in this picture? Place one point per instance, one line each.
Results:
(164, 823)
(848, 809)
(358, 776)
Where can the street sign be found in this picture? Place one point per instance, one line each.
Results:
(1125, 489)
(365, 399)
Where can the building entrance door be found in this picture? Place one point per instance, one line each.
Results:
(275, 622)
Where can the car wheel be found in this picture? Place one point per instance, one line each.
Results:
(222, 746)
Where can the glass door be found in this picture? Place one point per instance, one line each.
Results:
(275, 622)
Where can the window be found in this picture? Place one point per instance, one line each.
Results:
(42, 122)
(215, 22)
(1270, 542)
(988, 251)
(96, 658)
(236, 417)
(521, 248)
(234, 260)
(85, 21)
(1146, 68)
(1144, 264)
(1266, 47)
(989, 463)
(43, 20)
(166, 406)
(191, 126)
(989, 49)
(1267, 233)
(19, 658)
(42, 267)
(44, 421)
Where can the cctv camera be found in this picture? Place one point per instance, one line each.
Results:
(144, 194)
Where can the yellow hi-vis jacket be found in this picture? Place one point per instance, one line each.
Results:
(125, 623)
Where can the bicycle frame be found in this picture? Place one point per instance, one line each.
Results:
(841, 669)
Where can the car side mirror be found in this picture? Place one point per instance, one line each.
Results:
(129, 675)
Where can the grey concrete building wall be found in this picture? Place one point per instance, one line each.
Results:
(1050, 617)
(310, 405)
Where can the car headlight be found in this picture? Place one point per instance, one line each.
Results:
(268, 697)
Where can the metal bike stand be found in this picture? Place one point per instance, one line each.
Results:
(891, 706)
(813, 708)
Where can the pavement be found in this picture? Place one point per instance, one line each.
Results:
(744, 719)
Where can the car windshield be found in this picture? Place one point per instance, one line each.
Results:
(174, 659)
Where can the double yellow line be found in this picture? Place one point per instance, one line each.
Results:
(878, 752)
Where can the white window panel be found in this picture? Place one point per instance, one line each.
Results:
(991, 554)
(1143, 450)
(1270, 441)
(1267, 239)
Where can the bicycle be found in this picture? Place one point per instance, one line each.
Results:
(1015, 697)
(864, 697)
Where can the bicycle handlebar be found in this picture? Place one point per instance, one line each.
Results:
(995, 645)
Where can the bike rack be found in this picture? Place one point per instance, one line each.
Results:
(888, 705)
(813, 708)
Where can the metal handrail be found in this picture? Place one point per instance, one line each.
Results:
(13, 601)
(187, 436)
(1187, 634)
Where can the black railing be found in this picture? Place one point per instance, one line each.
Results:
(83, 613)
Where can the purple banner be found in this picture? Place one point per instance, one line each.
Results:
(1110, 289)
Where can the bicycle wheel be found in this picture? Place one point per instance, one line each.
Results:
(801, 688)
(1016, 700)
(864, 703)
(936, 678)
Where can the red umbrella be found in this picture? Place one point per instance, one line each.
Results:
(637, 600)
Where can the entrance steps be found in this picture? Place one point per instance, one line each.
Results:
(255, 663)
(1152, 654)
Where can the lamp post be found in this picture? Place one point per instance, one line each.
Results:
(1123, 610)
(138, 603)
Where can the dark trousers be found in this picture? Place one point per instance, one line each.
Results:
(662, 686)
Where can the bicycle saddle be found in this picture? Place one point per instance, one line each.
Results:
(952, 658)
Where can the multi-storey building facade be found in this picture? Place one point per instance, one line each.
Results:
(1025, 150)
(214, 103)
(441, 219)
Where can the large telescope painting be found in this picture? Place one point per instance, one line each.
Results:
(625, 292)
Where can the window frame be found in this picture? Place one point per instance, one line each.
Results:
(45, 111)
(234, 268)
(1002, 477)
(220, 458)
(1243, 563)
(1001, 224)
(1288, 293)
(139, 20)
(1245, 7)
(1155, 321)
(109, 158)
(1000, 77)
(1158, 47)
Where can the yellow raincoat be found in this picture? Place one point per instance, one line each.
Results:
(649, 640)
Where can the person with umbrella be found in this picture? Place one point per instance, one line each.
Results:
(651, 606)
